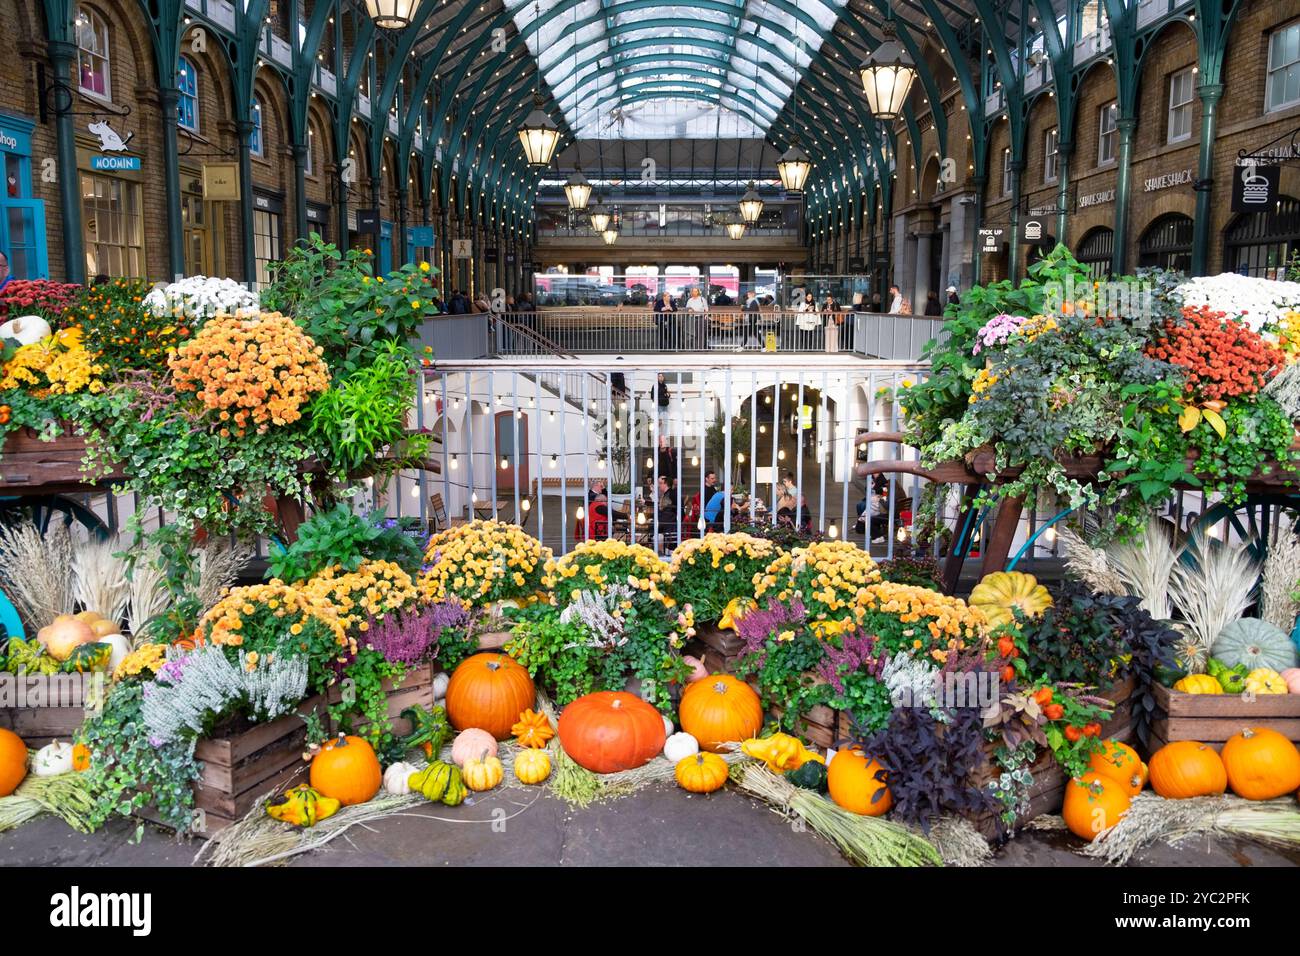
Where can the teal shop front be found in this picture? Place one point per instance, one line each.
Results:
(22, 217)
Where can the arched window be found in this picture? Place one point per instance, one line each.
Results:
(1262, 243)
(1167, 243)
(1095, 250)
(93, 54)
(255, 143)
(187, 103)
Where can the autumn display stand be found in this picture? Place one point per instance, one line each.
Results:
(55, 705)
(1213, 718)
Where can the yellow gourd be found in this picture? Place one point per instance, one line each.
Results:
(781, 752)
(532, 729)
(303, 806)
(1002, 591)
(482, 774)
(736, 608)
(1199, 684)
(1265, 680)
(532, 766)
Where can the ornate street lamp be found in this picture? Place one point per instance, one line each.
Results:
(577, 189)
(751, 205)
(793, 167)
(599, 217)
(391, 14)
(736, 230)
(610, 236)
(539, 135)
(887, 74)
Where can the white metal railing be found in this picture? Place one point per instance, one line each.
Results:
(624, 331)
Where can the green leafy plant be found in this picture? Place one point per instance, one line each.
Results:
(337, 536)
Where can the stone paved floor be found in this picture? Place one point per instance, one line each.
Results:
(659, 826)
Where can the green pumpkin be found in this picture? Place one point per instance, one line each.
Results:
(434, 780)
(1231, 679)
(811, 776)
(1254, 643)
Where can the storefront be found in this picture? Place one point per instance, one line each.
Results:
(202, 225)
(1261, 243)
(1095, 251)
(22, 218)
(1167, 243)
(112, 211)
(318, 218)
(268, 233)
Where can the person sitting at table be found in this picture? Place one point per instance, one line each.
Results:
(785, 508)
(666, 503)
(597, 491)
(713, 507)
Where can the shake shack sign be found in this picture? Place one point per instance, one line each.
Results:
(1254, 187)
(991, 239)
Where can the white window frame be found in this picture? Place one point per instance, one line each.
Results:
(97, 27)
(1281, 71)
(1181, 108)
(1006, 171)
(309, 168)
(1051, 154)
(256, 114)
(186, 64)
(1105, 135)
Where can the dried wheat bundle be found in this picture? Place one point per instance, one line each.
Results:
(147, 595)
(1212, 589)
(99, 578)
(1281, 572)
(1145, 564)
(36, 570)
(1090, 565)
(219, 565)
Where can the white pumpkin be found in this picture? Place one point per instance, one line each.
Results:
(440, 682)
(668, 726)
(52, 759)
(121, 646)
(25, 330)
(397, 778)
(680, 746)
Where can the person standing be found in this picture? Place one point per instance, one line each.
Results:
(895, 301)
(932, 306)
(698, 306)
(5, 275)
(952, 296)
(663, 309)
(752, 310)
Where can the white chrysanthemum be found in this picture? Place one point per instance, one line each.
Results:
(1255, 301)
(202, 297)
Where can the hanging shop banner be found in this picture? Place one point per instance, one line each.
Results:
(857, 264)
(115, 164)
(991, 239)
(221, 182)
(1254, 187)
(490, 254)
(368, 221)
(1033, 230)
(462, 248)
(421, 235)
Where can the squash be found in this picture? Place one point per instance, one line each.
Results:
(611, 730)
(482, 773)
(64, 636)
(1093, 804)
(440, 682)
(13, 761)
(26, 329)
(736, 608)
(809, 776)
(858, 784)
(1261, 764)
(532, 766)
(680, 746)
(781, 752)
(719, 710)
(997, 594)
(52, 759)
(347, 769)
(472, 743)
(698, 670)
(80, 757)
(119, 647)
(439, 782)
(302, 806)
(1263, 680)
(1120, 763)
(489, 691)
(397, 778)
(430, 730)
(1187, 768)
(1255, 643)
(532, 729)
(1199, 684)
(1291, 677)
(701, 773)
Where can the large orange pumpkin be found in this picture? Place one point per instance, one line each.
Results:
(1187, 768)
(489, 691)
(854, 782)
(347, 769)
(1093, 803)
(611, 730)
(1261, 764)
(720, 709)
(13, 761)
(1121, 763)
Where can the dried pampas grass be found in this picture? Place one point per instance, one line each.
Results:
(1090, 565)
(99, 578)
(1145, 564)
(36, 571)
(219, 565)
(147, 594)
(1281, 572)
(1212, 586)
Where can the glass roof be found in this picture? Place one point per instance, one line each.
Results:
(623, 69)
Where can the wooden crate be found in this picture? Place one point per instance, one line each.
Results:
(1213, 718)
(413, 690)
(719, 650)
(821, 727)
(27, 462)
(38, 723)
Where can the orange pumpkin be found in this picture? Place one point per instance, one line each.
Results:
(80, 757)
(701, 773)
(489, 691)
(720, 709)
(611, 730)
(1261, 764)
(1093, 803)
(346, 769)
(1120, 762)
(532, 729)
(858, 784)
(13, 761)
(1187, 768)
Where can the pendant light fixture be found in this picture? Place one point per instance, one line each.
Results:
(600, 217)
(610, 235)
(538, 133)
(751, 205)
(887, 73)
(736, 229)
(577, 189)
(391, 14)
(794, 166)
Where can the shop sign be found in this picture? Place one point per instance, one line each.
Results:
(421, 235)
(221, 182)
(1181, 178)
(368, 221)
(8, 142)
(115, 164)
(1033, 230)
(1254, 187)
(991, 239)
(462, 248)
(1097, 199)
(490, 254)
